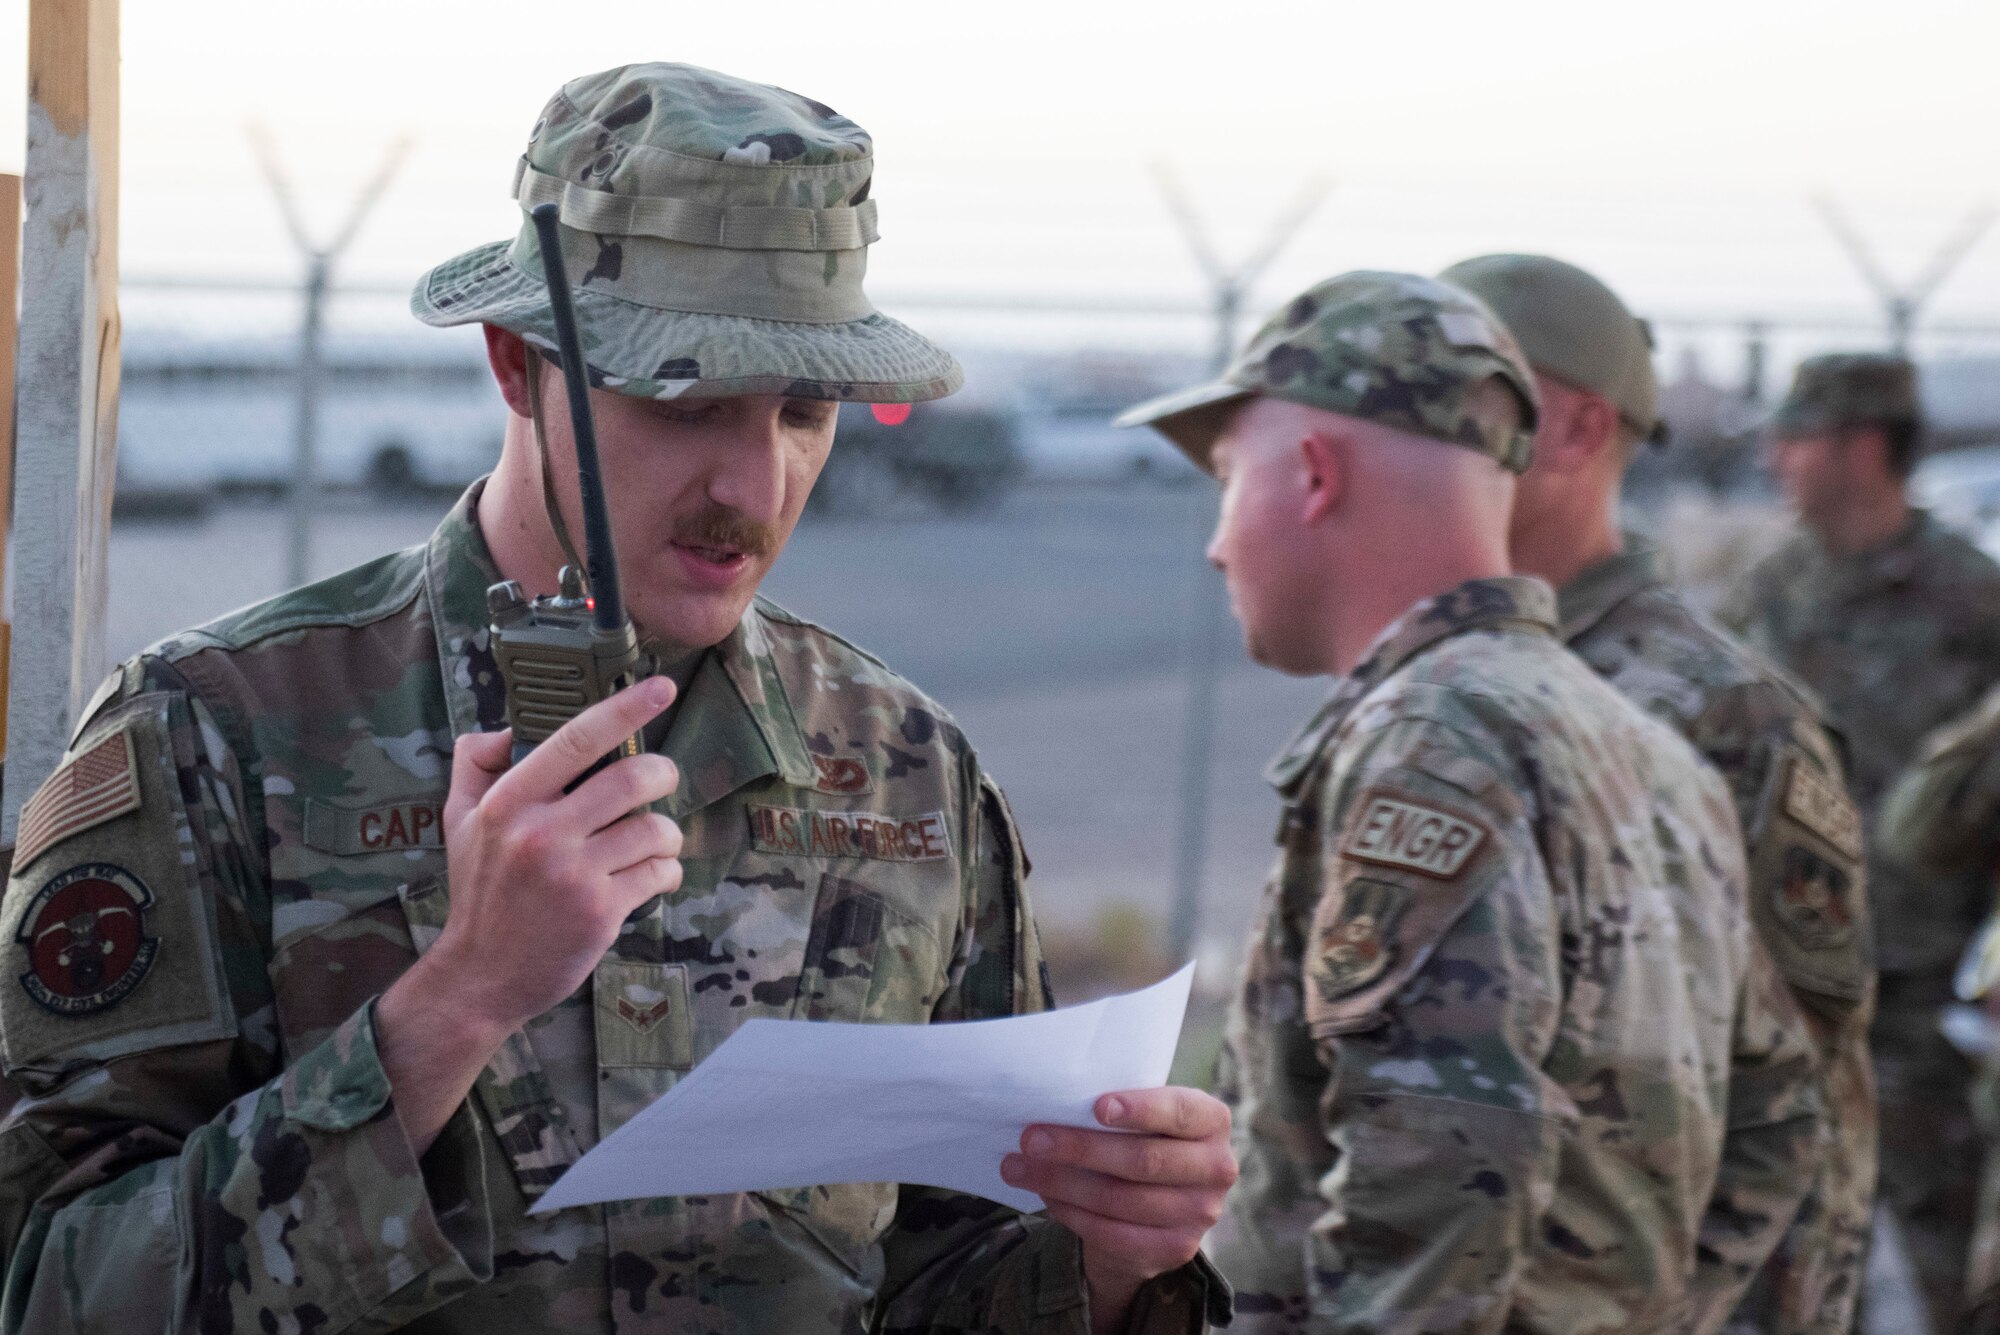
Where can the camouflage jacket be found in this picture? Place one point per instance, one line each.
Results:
(1503, 1035)
(208, 1140)
(1895, 641)
(1943, 814)
(1808, 901)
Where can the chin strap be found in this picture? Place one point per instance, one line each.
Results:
(542, 462)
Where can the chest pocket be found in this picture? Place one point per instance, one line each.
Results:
(339, 933)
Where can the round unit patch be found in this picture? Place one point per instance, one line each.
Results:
(85, 938)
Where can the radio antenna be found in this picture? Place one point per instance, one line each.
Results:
(607, 607)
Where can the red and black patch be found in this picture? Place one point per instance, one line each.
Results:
(842, 774)
(85, 937)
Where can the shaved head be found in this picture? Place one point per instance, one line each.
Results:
(1331, 526)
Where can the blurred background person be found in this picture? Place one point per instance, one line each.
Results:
(1942, 818)
(1895, 624)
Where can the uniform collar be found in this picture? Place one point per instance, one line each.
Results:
(1893, 563)
(1517, 601)
(735, 723)
(1596, 592)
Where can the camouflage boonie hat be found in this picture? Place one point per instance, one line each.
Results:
(1840, 389)
(1406, 351)
(715, 233)
(1573, 328)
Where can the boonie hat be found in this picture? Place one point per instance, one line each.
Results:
(1573, 328)
(1400, 349)
(715, 233)
(1840, 389)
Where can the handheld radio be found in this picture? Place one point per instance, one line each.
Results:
(560, 654)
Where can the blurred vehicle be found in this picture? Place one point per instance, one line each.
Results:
(1961, 489)
(947, 455)
(396, 415)
(1066, 411)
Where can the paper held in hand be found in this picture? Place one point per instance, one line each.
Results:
(791, 1104)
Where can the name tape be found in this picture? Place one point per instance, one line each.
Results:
(1396, 832)
(383, 829)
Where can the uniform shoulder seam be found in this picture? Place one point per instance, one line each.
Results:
(252, 625)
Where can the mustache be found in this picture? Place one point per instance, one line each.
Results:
(720, 526)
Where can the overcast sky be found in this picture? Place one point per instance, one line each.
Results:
(1670, 147)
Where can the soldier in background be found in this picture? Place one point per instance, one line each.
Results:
(1757, 725)
(1895, 625)
(311, 995)
(1503, 972)
(1942, 818)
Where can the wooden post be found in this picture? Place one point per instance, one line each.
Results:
(68, 378)
(10, 292)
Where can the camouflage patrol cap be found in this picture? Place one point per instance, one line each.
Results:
(715, 233)
(1572, 327)
(1847, 389)
(1406, 351)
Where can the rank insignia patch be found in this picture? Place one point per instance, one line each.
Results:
(1397, 832)
(95, 786)
(85, 937)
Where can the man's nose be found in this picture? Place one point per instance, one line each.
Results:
(750, 477)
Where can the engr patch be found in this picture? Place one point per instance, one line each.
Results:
(1396, 831)
(1822, 807)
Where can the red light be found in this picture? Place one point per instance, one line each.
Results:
(890, 414)
(590, 604)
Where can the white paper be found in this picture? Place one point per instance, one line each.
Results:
(783, 1104)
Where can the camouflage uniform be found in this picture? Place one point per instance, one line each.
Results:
(1895, 641)
(243, 850)
(220, 1144)
(1504, 1035)
(1943, 817)
(1762, 731)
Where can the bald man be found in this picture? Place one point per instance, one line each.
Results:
(1759, 727)
(1502, 1018)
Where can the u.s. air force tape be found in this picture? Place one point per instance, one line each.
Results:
(850, 834)
(1393, 830)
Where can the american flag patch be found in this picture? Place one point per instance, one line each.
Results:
(96, 786)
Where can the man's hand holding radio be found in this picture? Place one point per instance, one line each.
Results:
(540, 882)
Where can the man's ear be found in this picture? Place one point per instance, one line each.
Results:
(1590, 429)
(1323, 462)
(511, 363)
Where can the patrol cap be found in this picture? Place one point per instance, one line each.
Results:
(1840, 389)
(1400, 349)
(715, 233)
(1573, 328)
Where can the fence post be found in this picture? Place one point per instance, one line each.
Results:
(68, 378)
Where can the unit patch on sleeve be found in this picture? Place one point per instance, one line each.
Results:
(850, 834)
(95, 786)
(84, 935)
(1396, 831)
(1823, 808)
